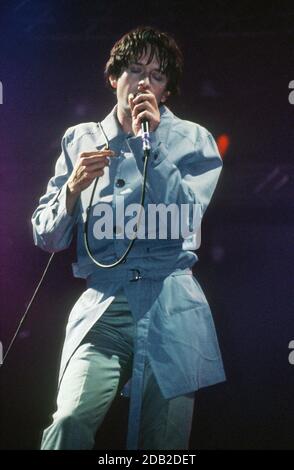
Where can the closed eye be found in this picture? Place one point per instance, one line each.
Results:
(158, 77)
(135, 70)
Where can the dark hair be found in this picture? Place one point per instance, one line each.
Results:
(135, 43)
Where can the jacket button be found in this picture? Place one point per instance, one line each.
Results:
(120, 183)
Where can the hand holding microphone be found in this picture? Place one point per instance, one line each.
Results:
(145, 112)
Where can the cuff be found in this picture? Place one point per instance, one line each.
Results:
(58, 205)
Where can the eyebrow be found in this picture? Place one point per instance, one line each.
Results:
(140, 63)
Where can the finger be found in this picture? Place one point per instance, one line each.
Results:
(90, 175)
(86, 175)
(98, 153)
(130, 100)
(143, 97)
(92, 160)
(89, 159)
(144, 115)
(95, 165)
(142, 107)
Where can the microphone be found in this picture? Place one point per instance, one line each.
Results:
(145, 135)
(145, 132)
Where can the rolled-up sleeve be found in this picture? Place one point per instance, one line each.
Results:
(52, 225)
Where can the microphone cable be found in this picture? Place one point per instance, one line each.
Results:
(23, 318)
(146, 149)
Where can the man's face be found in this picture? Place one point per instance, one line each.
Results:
(138, 76)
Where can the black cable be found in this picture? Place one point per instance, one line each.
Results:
(124, 255)
(27, 309)
(86, 240)
(101, 265)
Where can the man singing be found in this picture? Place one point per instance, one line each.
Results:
(144, 323)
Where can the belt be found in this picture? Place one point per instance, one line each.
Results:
(132, 274)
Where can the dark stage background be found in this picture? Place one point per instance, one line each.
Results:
(238, 65)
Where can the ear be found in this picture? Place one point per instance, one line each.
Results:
(113, 81)
(165, 96)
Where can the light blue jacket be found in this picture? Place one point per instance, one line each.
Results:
(175, 326)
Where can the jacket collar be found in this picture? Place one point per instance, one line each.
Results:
(115, 132)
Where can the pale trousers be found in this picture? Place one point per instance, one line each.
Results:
(96, 373)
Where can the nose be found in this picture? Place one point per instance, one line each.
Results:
(144, 82)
